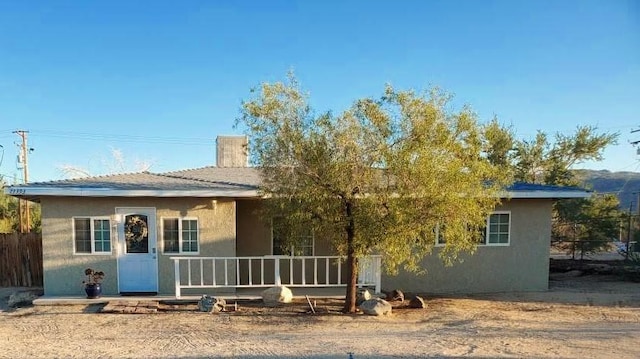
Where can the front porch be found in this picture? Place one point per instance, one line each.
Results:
(230, 274)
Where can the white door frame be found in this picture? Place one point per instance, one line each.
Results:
(146, 264)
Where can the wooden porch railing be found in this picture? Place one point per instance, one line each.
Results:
(267, 271)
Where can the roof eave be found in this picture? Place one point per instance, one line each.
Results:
(32, 193)
(36, 192)
(547, 194)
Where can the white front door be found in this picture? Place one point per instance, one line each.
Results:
(137, 250)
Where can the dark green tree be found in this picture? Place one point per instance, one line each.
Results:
(591, 221)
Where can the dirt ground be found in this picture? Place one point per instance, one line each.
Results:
(583, 317)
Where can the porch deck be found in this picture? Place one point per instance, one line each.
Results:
(241, 294)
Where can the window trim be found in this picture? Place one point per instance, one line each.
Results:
(508, 243)
(292, 249)
(486, 233)
(438, 243)
(92, 235)
(180, 251)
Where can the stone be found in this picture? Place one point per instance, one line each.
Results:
(396, 295)
(211, 304)
(376, 306)
(417, 302)
(275, 296)
(362, 295)
(21, 299)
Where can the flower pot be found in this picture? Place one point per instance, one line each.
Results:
(93, 290)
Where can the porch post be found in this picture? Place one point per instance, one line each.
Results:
(377, 260)
(276, 269)
(176, 267)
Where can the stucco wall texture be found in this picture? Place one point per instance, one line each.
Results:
(522, 265)
(64, 271)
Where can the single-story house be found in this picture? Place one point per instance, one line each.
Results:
(197, 231)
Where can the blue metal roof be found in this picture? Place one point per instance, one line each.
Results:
(524, 186)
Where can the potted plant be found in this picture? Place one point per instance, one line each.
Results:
(93, 286)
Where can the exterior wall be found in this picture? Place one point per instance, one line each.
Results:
(64, 271)
(254, 235)
(254, 239)
(523, 265)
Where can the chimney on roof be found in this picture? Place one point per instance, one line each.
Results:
(231, 151)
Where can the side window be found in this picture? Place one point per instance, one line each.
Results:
(304, 245)
(499, 228)
(496, 232)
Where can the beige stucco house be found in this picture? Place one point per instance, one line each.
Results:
(198, 231)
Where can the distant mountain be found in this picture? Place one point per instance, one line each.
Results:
(625, 185)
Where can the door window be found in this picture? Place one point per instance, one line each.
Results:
(136, 233)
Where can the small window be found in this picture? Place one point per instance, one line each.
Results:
(496, 232)
(304, 245)
(180, 235)
(92, 235)
(440, 240)
(499, 227)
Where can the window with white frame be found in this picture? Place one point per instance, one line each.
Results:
(303, 245)
(498, 228)
(496, 232)
(180, 235)
(92, 235)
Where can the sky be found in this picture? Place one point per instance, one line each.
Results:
(154, 82)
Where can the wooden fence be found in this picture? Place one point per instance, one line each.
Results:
(21, 260)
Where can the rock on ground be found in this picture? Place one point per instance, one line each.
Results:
(375, 306)
(277, 295)
(417, 302)
(211, 304)
(22, 298)
(396, 295)
(362, 295)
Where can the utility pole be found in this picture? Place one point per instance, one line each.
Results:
(25, 225)
(626, 254)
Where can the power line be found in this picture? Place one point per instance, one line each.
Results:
(123, 137)
(129, 138)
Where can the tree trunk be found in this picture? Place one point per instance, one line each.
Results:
(352, 263)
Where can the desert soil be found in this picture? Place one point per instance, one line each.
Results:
(581, 317)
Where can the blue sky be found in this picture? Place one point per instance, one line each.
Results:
(159, 80)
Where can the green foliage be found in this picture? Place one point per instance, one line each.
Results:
(10, 215)
(531, 159)
(593, 221)
(378, 177)
(8, 211)
(500, 143)
(540, 161)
